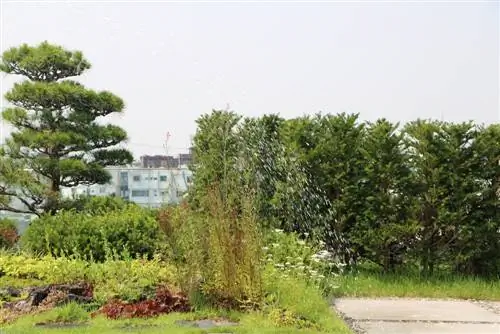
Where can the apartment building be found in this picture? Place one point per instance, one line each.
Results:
(149, 187)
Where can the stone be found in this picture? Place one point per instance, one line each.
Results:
(13, 292)
(206, 323)
(373, 327)
(414, 310)
(37, 295)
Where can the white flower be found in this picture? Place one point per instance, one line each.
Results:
(301, 242)
(277, 230)
(265, 248)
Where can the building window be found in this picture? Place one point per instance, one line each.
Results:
(140, 193)
(163, 178)
(137, 178)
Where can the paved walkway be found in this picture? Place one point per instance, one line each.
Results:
(420, 316)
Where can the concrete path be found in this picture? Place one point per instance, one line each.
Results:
(419, 316)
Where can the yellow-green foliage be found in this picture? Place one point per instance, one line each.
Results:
(126, 279)
(47, 268)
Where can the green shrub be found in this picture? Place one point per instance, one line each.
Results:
(131, 230)
(94, 204)
(8, 233)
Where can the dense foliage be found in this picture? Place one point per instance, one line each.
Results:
(8, 233)
(423, 195)
(58, 140)
(99, 235)
(94, 204)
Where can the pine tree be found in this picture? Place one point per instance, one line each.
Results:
(57, 136)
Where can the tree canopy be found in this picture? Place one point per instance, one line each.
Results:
(58, 139)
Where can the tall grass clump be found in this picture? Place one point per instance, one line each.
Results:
(217, 250)
(233, 249)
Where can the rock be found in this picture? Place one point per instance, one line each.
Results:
(50, 296)
(37, 295)
(12, 292)
(78, 299)
(8, 293)
(206, 323)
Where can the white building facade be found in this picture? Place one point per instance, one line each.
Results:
(149, 187)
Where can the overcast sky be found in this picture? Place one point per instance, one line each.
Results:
(172, 62)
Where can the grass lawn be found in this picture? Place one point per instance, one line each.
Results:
(248, 323)
(369, 284)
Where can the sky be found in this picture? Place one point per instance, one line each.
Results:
(172, 62)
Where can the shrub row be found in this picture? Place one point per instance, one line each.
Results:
(424, 194)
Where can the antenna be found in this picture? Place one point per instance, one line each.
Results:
(165, 145)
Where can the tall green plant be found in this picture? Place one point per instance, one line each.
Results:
(385, 228)
(233, 273)
(477, 250)
(56, 135)
(215, 151)
(443, 160)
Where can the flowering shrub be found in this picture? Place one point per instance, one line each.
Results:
(292, 256)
